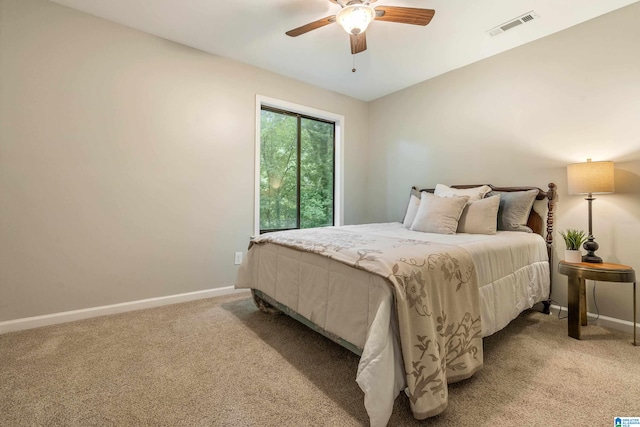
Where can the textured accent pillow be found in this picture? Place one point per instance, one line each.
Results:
(514, 209)
(480, 216)
(474, 193)
(412, 208)
(439, 214)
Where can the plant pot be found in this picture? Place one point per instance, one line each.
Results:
(572, 255)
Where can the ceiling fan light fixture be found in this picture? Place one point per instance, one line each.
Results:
(356, 18)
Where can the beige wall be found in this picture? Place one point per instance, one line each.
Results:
(518, 119)
(126, 161)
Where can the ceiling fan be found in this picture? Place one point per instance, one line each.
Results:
(356, 15)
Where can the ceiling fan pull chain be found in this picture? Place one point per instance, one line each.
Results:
(353, 70)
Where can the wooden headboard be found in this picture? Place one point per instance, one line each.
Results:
(534, 222)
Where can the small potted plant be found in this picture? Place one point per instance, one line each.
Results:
(573, 240)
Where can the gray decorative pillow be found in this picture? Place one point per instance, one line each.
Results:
(480, 216)
(412, 208)
(514, 209)
(438, 214)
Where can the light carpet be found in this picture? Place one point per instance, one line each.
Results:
(220, 362)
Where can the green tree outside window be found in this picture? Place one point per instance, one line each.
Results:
(296, 171)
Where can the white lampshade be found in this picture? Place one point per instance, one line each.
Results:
(355, 18)
(590, 177)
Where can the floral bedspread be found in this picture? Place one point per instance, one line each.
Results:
(437, 300)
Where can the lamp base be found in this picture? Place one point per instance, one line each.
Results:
(594, 259)
(591, 246)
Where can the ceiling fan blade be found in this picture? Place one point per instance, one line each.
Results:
(358, 43)
(311, 26)
(404, 15)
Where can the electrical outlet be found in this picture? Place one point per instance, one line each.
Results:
(238, 260)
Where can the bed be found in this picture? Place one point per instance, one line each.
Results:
(413, 298)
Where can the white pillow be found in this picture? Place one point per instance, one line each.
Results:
(438, 214)
(412, 208)
(475, 193)
(480, 216)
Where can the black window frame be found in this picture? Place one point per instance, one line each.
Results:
(299, 117)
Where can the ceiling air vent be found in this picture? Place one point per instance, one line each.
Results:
(527, 17)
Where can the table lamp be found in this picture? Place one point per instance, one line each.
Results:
(590, 178)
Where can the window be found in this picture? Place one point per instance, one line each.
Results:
(297, 173)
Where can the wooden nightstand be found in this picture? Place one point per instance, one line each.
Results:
(579, 272)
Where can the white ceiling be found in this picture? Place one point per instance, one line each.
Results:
(398, 55)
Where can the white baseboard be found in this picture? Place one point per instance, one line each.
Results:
(86, 313)
(604, 321)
